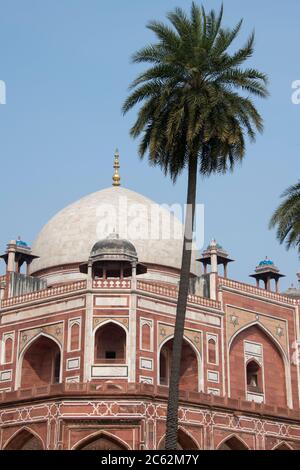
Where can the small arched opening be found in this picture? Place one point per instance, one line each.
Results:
(101, 442)
(233, 443)
(254, 377)
(24, 440)
(41, 363)
(184, 442)
(188, 368)
(283, 446)
(110, 344)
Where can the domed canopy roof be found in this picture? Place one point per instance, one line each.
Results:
(114, 246)
(70, 235)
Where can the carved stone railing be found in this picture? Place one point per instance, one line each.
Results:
(157, 289)
(107, 391)
(173, 293)
(44, 294)
(111, 283)
(257, 291)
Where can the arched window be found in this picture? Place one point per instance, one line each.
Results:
(75, 331)
(188, 369)
(41, 363)
(212, 353)
(110, 344)
(8, 348)
(254, 377)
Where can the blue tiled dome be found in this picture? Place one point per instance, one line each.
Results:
(266, 262)
(21, 243)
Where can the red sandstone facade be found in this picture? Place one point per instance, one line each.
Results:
(47, 401)
(85, 364)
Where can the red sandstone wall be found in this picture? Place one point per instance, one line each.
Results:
(273, 367)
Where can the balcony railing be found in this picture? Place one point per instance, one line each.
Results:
(240, 286)
(44, 294)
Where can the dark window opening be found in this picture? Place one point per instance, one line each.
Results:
(56, 369)
(254, 382)
(110, 355)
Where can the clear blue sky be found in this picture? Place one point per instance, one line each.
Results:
(66, 64)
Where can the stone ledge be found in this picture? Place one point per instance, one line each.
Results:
(148, 391)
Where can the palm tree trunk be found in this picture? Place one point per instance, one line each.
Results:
(173, 400)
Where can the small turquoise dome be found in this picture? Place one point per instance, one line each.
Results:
(21, 243)
(266, 262)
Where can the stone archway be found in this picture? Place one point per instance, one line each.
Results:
(24, 440)
(189, 373)
(110, 344)
(101, 441)
(283, 446)
(184, 442)
(233, 443)
(271, 374)
(41, 363)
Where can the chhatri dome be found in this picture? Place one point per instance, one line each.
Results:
(68, 238)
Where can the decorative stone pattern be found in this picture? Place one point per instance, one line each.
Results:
(167, 331)
(44, 294)
(55, 330)
(99, 320)
(237, 319)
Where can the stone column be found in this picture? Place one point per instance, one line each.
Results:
(214, 262)
(2, 291)
(11, 261)
(88, 337)
(131, 348)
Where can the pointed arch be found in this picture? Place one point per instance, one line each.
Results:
(74, 336)
(165, 365)
(232, 442)
(277, 346)
(185, 441)
(265, 330)
(24, 439)
(56, 362)
(101, 440)
(120, 342)
(254, 379)
(283, 446)
(8, 350)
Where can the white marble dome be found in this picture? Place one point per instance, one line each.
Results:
(70, 235)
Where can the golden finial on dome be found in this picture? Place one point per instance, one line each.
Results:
(116, 177)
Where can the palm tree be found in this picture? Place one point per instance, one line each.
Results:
(192, 116)
(287, 217)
